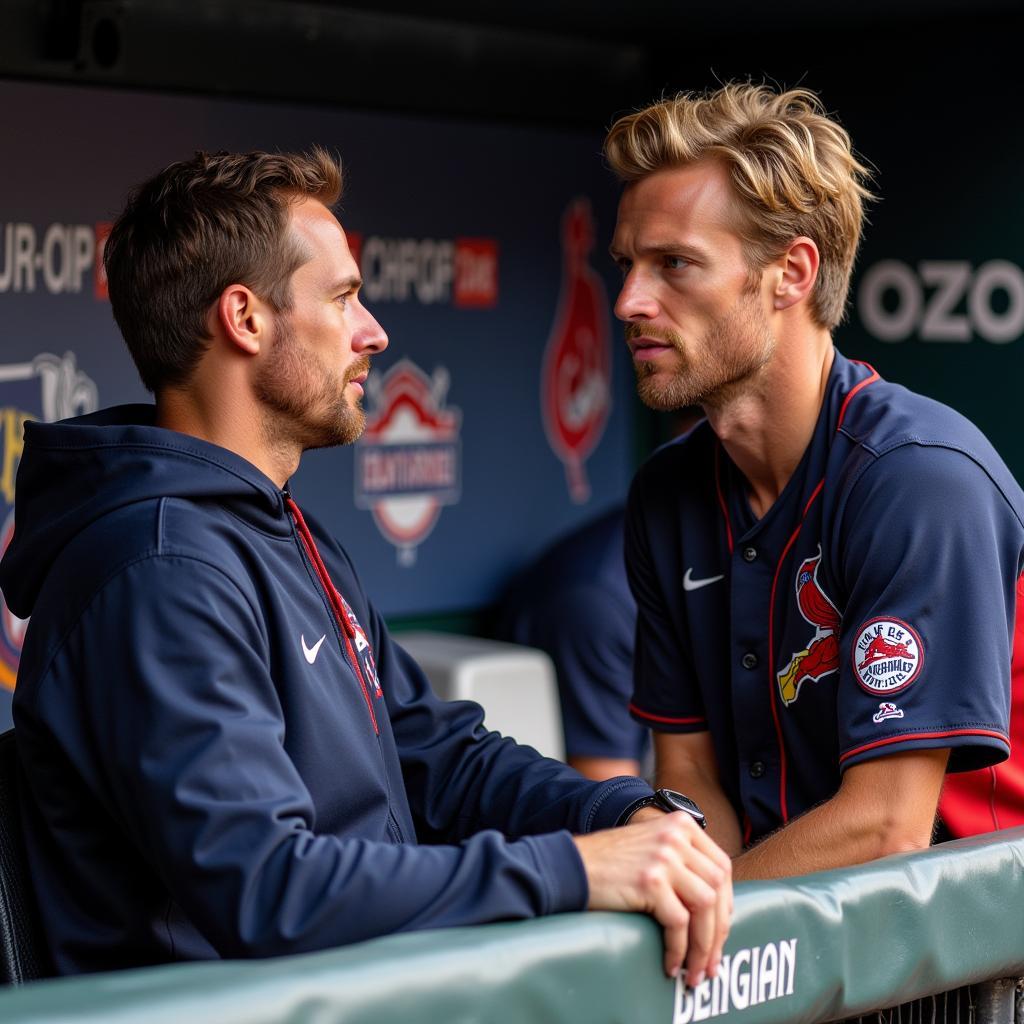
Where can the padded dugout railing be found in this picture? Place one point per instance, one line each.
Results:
(820, 947)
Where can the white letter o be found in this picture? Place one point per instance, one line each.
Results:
(997, 327)
(901, 322)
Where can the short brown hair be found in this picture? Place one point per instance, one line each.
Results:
(792, 169)
(192, 230)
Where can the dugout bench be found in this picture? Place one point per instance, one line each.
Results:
(820, 947)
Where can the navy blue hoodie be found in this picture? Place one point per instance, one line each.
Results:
(206, 776)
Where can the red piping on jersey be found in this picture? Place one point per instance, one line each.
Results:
(783, 808)
(721, 498)
(663, 718)
(857, 387)
(334, 599)
(924, 736)
(783, 805)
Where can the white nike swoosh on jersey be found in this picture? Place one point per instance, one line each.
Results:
(689, 583)
(311, 652)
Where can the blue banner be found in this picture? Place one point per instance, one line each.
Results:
(500, 414)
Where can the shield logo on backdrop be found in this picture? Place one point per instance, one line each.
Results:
(408, 461)
(576, 378)
(47, 387)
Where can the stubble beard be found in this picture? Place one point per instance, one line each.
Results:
(733, 350)
(305, 405)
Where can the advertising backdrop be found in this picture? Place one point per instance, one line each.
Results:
(937, 301)
(500, 413)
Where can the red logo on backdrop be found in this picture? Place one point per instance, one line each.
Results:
(476, 273)
(576, 383)
(355, 245)
(99, 270)
(408, 459)
(429, 271)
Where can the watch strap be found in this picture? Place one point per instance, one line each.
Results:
(668, 801)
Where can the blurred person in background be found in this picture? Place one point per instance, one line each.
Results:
(574, 603)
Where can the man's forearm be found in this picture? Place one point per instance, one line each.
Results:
(723, 825)
(686, 763)
(884, 806)
(828, 836)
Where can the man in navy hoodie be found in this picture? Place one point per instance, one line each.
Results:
(225, 754)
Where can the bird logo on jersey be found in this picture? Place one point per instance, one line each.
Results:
(821, 655)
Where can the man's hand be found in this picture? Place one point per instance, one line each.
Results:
(668, 867)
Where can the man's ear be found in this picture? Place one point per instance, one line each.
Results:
(242, 317)
(798, 267)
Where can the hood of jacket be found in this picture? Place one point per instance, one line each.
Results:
(76, 471)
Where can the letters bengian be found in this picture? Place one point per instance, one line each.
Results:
(745, 978)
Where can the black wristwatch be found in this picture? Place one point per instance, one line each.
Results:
(667, 800)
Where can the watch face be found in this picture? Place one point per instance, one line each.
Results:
(670, 800)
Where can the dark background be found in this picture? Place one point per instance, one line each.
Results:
(563, 61)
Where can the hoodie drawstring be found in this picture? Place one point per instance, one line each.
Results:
(336, 601)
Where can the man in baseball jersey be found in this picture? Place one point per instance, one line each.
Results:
(827, 568)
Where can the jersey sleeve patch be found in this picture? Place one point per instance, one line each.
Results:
(887, 656)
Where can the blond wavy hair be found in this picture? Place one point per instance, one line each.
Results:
(792, 168)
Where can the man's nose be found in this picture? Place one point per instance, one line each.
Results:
(636, 300)
(368, 336)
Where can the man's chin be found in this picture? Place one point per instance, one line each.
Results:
(353, 426)
(346, 430)
(663, 396)
(659, 403)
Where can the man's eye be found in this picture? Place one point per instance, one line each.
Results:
(675, 262)
(343, 299)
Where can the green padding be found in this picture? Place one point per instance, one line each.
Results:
(573, 967)
(814, 948)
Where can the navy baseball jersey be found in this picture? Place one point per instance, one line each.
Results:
(870, 610)
(574, 603)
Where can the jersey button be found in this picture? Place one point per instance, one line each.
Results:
(749, 660)
(749, 554)
(757, 769)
